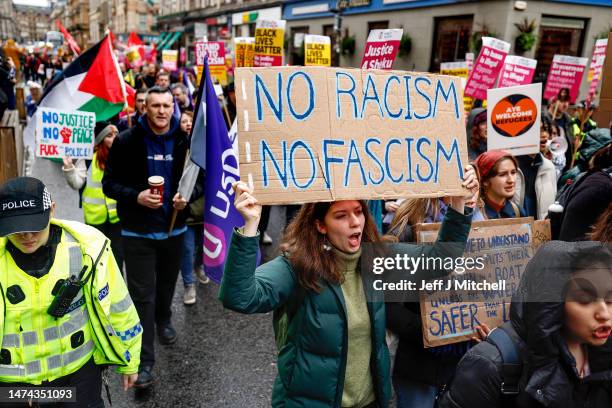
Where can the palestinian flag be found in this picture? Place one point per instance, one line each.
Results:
(91, 83)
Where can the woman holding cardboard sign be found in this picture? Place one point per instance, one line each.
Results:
(332, 339)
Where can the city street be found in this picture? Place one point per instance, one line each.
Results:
(221, 358)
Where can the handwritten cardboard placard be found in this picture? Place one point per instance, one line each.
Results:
(269, 43)
(513, 119)
(487, 67)
(565, 72)
(321, 134)
(517, 71)
(170, 60)
(245, 49)
(381, 48)
(506, 246)
(61, 134)
(597, 63)
(541, 233)
(317, 50)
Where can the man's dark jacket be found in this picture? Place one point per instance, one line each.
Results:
(126, 176)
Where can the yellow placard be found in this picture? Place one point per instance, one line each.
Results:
(317, 50)
(269, 42)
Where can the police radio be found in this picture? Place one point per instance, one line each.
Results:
(66, 290)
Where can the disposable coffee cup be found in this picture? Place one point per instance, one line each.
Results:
(156, 185)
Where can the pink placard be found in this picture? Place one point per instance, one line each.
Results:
(517, 71)
(597, 62)
(565, 72)
(487, 67)
(381, 48)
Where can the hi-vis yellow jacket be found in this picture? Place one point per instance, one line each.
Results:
(97, 207)
(102, 321)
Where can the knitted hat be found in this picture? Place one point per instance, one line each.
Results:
(102, 130)
(479, 118)
(487, 160)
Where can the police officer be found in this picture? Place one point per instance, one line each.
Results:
(65, 312)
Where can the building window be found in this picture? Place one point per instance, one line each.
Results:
(558, 35)
(328, 30)
(377, 25)
(451, 39)
(296, 46)
(142, 23)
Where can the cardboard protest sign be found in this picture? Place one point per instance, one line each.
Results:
(605, 99)
(381, 48)
(517, 71)
(487, 67)
(61, 134)
(170, 60)
(269, 43)
(459, 69)
(541, 233)
(321, 134)
(317, 50)
(513, 119)
(505, 246)
(244, 51)
(215, 50)
(565, 72)
(597, 63)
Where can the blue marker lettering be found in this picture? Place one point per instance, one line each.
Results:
(420, 142)
(327, 159)
(345, 91)
(276, 108)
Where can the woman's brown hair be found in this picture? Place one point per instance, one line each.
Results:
(602, 229)
(303, 245)
(101, 155)
(413, 211)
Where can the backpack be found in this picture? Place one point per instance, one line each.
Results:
(512, 366)
(282, 316)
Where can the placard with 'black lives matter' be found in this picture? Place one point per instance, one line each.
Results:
(513, 119)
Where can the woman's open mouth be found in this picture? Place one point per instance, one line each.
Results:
(355, 239)
(602, 332)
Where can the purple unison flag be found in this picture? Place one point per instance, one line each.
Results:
(212, 150)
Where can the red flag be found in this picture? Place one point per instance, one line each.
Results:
(134, 39)
(69, 38)
(130, 96)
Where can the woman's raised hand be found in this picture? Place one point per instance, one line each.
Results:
(470, 181)
(248, 207)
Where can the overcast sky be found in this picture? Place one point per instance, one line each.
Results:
(32, 2)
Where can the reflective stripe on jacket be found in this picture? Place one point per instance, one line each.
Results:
(97, 207)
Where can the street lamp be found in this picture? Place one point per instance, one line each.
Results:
(341, 5)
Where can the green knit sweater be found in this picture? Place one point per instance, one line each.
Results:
(358, 385)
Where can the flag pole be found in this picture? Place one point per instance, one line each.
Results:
(174, 210)
(227, 116)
